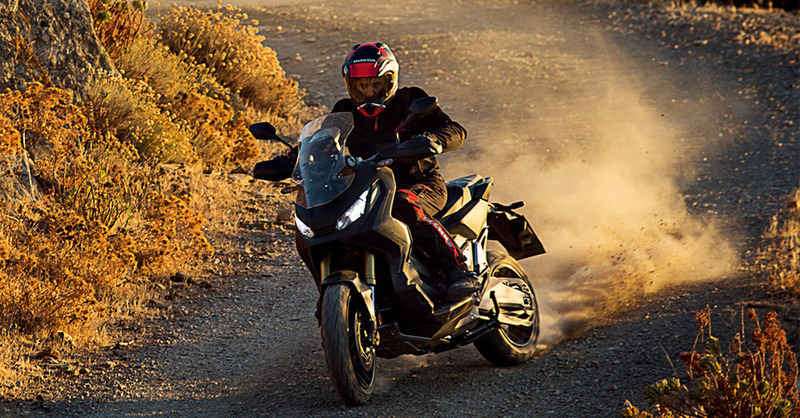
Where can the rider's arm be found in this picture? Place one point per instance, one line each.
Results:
(451, 135)
(447, 132)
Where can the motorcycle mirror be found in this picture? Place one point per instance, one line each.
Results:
(419, 108)
(265, 131)
(423, 106)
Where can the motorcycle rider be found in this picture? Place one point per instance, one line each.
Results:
(370, 74)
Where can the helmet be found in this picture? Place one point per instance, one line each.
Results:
(376, 62)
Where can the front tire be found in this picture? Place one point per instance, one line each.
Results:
(349, 354)
(510, 345)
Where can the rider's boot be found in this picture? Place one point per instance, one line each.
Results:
(460, 285)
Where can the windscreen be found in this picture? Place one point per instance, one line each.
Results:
(321, 168)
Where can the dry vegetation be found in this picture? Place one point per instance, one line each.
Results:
(779, 258)
(755, 382)
(106, 215)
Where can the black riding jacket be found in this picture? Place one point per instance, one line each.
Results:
(371, 135)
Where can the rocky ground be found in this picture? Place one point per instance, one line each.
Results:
(652, 145)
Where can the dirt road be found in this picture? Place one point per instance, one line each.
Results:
(650, 146)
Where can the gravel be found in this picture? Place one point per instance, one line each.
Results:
(561, 99)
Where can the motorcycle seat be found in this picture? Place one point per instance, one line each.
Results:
(461, 191)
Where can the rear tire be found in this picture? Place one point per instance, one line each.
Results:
(351, 361)
(510, 345)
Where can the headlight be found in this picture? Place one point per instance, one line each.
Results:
(303, 228)
(355, 211)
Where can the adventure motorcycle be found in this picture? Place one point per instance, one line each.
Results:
(380, 297)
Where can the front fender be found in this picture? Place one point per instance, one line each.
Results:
(351, 279)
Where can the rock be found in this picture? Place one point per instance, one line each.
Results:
(48, 352)
(110, 364)
(284, 216)
(181, 277)
(49, 40)
(65, 338)
(239, 178)
(122, 345)
(152, 303)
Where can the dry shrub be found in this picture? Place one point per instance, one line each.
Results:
(234, 53)
(170, 75)
(779, 258)
(760, 382)
(169, 234)
(10, 138)
(118, 23)
(221, 135)
(212, 114)
(79, 170)
(44, 117)
(129, 110)
(103, 220)
(50, 276)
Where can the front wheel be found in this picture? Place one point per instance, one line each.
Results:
(345, 337)
(510, 345)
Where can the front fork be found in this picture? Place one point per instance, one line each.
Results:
(372, 336)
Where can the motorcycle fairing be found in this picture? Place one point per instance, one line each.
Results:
(376, 231)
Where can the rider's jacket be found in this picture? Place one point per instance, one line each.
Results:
(371, 135)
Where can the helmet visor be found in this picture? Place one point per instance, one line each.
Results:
(370, 89)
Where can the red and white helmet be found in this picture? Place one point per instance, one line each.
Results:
(371, 60)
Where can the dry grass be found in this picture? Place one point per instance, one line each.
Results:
(129, 110)
(103, 225)
(779, 258)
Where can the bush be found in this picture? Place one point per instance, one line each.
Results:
(57, 263)
(234, 53)
(170, 75)
(208, 110)
(129, 110)
(756, 383)
(102, 221)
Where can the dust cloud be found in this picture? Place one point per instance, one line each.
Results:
(600, 176)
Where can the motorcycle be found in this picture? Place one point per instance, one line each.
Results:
(378, 295)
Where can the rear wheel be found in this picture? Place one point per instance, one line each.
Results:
(345, 337)
(509, 345)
